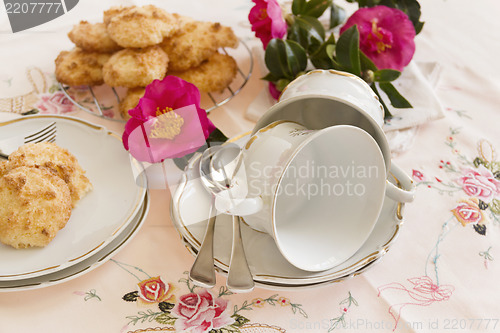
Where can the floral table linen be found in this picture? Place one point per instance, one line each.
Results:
(440, 275)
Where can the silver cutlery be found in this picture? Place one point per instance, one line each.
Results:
(202, 272)
(46, 134)
(226, 162)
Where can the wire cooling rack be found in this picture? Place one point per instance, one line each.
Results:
(103, 101)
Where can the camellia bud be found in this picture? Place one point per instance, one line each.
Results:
(289, 19)
(368, 76)
(281, 84)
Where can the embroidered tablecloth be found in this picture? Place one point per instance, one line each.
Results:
(440, 275)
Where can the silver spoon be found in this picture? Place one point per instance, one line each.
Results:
(226, 161)
(203, 272)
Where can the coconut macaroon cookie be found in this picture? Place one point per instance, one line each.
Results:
(196, 42)
(139, 27)
(93, 37)
(107, 15)
(135, 67)
(57, 160)
(213, 75)
(34, 205)
(77, 67)
(131, 100)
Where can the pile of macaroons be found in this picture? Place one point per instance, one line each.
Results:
(135, 45)
(40, 184)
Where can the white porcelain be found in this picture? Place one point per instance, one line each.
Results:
(269, 268)
(99, 217)
(323, 98)
(334, 178)
(85, 266)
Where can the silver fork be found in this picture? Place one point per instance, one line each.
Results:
(45, 134)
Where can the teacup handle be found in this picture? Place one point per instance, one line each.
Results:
(404, 194)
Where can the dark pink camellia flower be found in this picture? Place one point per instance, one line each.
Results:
(267, 21)
(167, 122)
(386, 36)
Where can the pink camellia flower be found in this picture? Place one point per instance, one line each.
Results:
(386, 36)
(56, 103)
(167, 122)
(480, 183)
(200, 313)
(155, 290)
(267, 21)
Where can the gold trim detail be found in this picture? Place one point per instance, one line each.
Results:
(267, 128)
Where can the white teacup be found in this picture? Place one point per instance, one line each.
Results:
(321, 190)
(323, 98)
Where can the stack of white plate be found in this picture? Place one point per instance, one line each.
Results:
(269, 268)
(101, 223)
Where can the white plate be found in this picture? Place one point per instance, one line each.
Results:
(267, 264)
(86, 265)
(99, 217)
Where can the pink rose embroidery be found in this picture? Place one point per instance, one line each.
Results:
(468, 212)
(200, 313)
(56, 103)
(480, 183)
(386, 36)
(155, 290)
(267, 21)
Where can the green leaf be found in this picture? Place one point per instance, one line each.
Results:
(386, 75)
(397, 100)
(337, 15)
(323, 57)
(298, 6)
(366, 63)
(216, 138)
(369, 3)
(285, 58)
(495, 206)
(165, 319)
(165, 306)
(347, 51)
(270, 77)
(480, 229)
(387, 113)
(239, 320)
(131, 297)
(308, 32)
(315, 8)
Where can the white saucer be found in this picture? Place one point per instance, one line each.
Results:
(268, 266)
(86, 265)
(100, 216)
